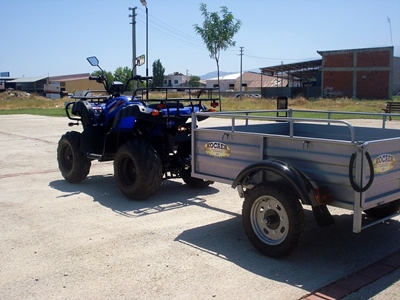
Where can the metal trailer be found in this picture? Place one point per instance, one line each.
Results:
(278, 164)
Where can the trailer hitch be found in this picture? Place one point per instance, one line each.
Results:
(371, 177)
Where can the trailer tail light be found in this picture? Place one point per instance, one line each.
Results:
(162, 105)
(214, 104)
(155, 113)
(323, 195)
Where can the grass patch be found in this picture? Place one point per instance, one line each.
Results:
(22, 103)
(48, 112)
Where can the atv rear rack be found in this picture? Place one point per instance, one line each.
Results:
(178, 95)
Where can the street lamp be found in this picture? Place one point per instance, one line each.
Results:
(144, 3)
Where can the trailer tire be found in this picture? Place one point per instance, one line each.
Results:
(184, 152)
(72, 161)
(384, 210)
(137, 170)
(273, 219)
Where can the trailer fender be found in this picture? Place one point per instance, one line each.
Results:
(294, 178)
(297, 181)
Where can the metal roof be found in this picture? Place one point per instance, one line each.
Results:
(28, 79)
(304, 70)
(63, 78)
(345, 51)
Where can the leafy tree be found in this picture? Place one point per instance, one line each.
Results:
(158, 74)
(108, 75)
(123, 75)
(194, 81)
(217, 32)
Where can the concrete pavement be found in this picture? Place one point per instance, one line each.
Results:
(65, 241)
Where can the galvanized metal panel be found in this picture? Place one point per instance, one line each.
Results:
(321, 152)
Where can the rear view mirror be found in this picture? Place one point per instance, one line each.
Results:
(140, 60)
(93, 61)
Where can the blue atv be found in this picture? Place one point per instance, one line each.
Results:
(147, 138)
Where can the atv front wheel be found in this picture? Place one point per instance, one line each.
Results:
(137, 170)
(72, 162)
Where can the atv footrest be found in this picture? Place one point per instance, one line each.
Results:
(94, 156)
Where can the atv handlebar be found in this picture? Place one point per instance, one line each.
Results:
(140, 78)
(103, 80)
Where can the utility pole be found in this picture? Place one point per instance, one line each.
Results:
(133, 16)
(241, 73)
(144, 3)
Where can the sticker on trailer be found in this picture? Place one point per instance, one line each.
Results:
(383, 163)
(217, 149)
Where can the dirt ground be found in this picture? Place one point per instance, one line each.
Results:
(87, 241)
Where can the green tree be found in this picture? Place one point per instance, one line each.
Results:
(123, 75)
(108, 75)
(217, 32)
(194, 81)
(158, 74)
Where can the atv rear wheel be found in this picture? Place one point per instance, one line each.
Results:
(137, 170)
(72, 162)
(184, 153)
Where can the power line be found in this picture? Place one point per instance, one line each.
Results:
(174, 37)
(167, 30)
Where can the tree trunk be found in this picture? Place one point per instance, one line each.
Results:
(219, 86)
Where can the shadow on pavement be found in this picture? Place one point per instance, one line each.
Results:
(104, 190)
(323, 256)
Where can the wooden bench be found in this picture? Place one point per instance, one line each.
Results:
(392, 107)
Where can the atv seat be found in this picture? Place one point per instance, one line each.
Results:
(168, 105)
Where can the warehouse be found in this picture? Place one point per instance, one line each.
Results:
(368, 73)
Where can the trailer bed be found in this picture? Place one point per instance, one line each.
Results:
(359, 165)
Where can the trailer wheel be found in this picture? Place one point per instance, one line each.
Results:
(137, 170)
(72, 162)
(273, 219)
(384, 210)
(184, 152)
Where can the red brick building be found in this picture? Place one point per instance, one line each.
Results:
(370, 73)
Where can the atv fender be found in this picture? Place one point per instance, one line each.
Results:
(84, 110)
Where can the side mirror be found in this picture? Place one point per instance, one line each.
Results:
(140, 60)
(93, 61)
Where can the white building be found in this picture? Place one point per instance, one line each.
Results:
(175, 79)
(250, 81)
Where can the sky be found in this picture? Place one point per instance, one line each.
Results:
(52, 38)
